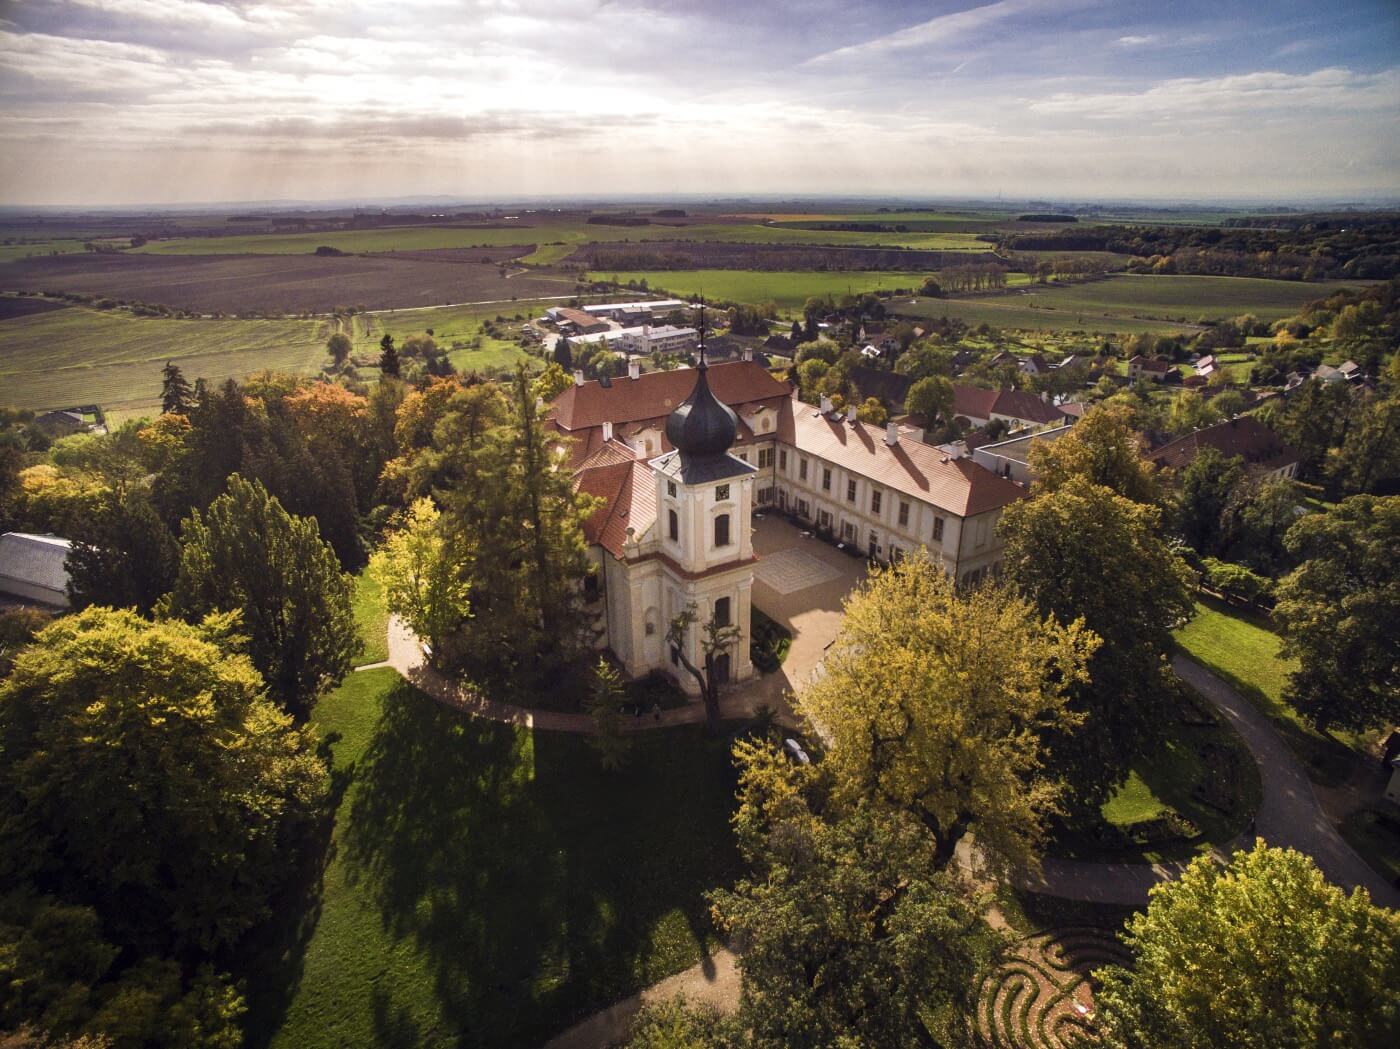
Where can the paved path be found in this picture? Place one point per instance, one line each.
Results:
(406, 656)
(1289, 816)
(715, 981)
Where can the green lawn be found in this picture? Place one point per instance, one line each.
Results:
(487, 885)
(371, 620)
(1241, 648)
(790, 289)
(114, 358)
(1164, 782)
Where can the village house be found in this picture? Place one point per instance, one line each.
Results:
(1263, 451)
(682, 458)
(974, 406)
(1140, 367)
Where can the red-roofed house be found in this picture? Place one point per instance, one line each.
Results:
(974, 406)
(1262, 450)
(1140, 367)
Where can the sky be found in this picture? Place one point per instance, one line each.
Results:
(120, 102)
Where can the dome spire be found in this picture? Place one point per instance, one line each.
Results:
(702, 427)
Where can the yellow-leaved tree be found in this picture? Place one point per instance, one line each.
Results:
(933, 701)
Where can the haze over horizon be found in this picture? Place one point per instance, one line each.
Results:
(118, 102)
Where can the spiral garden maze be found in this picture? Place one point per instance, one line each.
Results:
(1041, 997)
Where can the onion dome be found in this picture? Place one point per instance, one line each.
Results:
(702, 427)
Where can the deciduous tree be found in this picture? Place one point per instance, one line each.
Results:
(145, 770)
(426, 579)
(934, 702)
(339, 347)
(1260, 954)
(248, 555)
(1339, 613)
(1102, 448)
(1083, 553)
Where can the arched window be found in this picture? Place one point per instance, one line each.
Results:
(722, 530)
(673, 526)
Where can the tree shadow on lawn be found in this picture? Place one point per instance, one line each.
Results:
(536, 887)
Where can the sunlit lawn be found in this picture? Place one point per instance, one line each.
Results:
(371, 620)
(488, 885)
(1241, 648)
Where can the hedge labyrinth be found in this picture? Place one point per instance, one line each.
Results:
(1041, 997)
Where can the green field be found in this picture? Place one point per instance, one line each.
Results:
(788, 288)
(1129, 303)
(110, 357)
(487, 885)
(422, 238)
(10, 252)
(371, 620)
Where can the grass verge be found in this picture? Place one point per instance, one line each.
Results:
(371, 620)
(486, 885)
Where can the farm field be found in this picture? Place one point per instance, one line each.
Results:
(286, 283)
(1130, 303)
(12, 252)
(112, 358)
(486, 884)
(788, 288)
(553, 241)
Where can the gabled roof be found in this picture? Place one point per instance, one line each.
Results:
(1150, 364)
(628, 491)
(35, 560)
(977, 403)
(958, 486)
(885, 386)
(654, 395)
(1245, 437)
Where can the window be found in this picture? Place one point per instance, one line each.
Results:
(721, 493)
(782, 459)
(938, 529)
(590, 587)
(802, 469)
(823, 520)
(875, 500)
(651, 628)
(722, 612)
(826, 479)
(722, 530)
(850, 491)
(848, 531)
(765, 458)
(803, 510)
(671, 489)
(765, 495)
(673, 526)
(903, 514)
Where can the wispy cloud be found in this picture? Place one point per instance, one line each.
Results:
(1135, 41)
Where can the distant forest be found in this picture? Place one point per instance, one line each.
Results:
(1293, 247)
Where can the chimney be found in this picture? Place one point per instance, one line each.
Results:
(607, 430)
(634, 368)
(826, 405)
(578, 377)
(891, 434)
(1045, 396)
(748, 353)
(851, 414)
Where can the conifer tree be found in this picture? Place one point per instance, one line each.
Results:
(176, 397)
(388, 357)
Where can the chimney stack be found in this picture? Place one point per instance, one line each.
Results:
(607, 430)
(578, 377)
(891, 434)
(748, 353)
(851, 414)
(1045, 396)
(826, 405)
(634, 368)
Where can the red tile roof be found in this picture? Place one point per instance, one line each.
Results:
(628, 490)
(1150, 364)
(977, 403)
(958, 486)
(654, 395)
(1245, 437)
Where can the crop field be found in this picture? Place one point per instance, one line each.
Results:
(287, 283)
(729, 255)
(789, 289)
(553, 241)
(112, 358)
(1128, 303)
(11, 252)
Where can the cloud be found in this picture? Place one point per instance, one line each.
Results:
(1135, 41)
(1335, 91)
